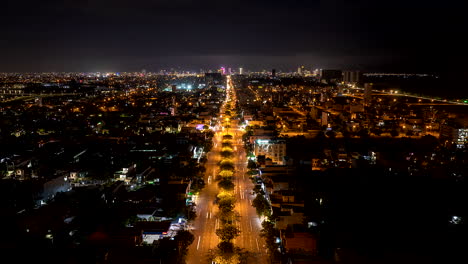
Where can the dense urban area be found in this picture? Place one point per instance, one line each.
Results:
(230, 166)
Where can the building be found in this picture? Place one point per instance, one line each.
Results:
(331, 75)
(273, 73)
(455, 134)
(152, 231)
(275, 149)
(325, 116)
(300, 70)
(241, 71)
(367, 93)
(352, 77)
(53, 186)
(213, 77)
(126, 174)
(300, 242)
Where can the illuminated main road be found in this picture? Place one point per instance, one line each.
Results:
(206, 223)
(249, 224)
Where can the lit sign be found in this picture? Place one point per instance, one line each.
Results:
(263, 141)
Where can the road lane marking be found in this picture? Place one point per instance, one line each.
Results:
(250, 222)
(258, 248)
(198, 244)
(207, 214)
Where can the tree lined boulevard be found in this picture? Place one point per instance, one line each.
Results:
(227, 227)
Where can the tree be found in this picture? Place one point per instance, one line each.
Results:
(225, 258)
(251, 164)
(226, 143)
(270, 233)
(227, 166)
(226, 184)
(226, 203)
(363, 133)
(226, 247)
(227, 161)
(166, 250)
(226, 154)
(227, 136)
(227, 216)
(227, 233)
(226, 253)
(331, 134)
(377, 131)
(257, 189)
(226, 173)
(261, 205)
(184, 238)
(209, 134)
(191, 214)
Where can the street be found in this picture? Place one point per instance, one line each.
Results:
(206, 222)
(250, 223)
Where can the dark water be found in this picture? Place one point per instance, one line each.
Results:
(444, 87)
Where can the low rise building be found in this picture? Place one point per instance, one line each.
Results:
(275, 149)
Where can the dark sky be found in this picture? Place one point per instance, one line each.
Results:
(121, 35)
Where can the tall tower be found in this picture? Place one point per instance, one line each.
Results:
(241, 71)
(367, 93)
(174, 106)
(273, 73)
(300, 70)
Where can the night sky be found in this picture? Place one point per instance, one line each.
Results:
(121, 35)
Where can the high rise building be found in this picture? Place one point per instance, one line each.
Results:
(174, 106)
(352, 77)
(331, 75)
(273, 73)
(367, 93)
(300, 70)
(241, 71)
